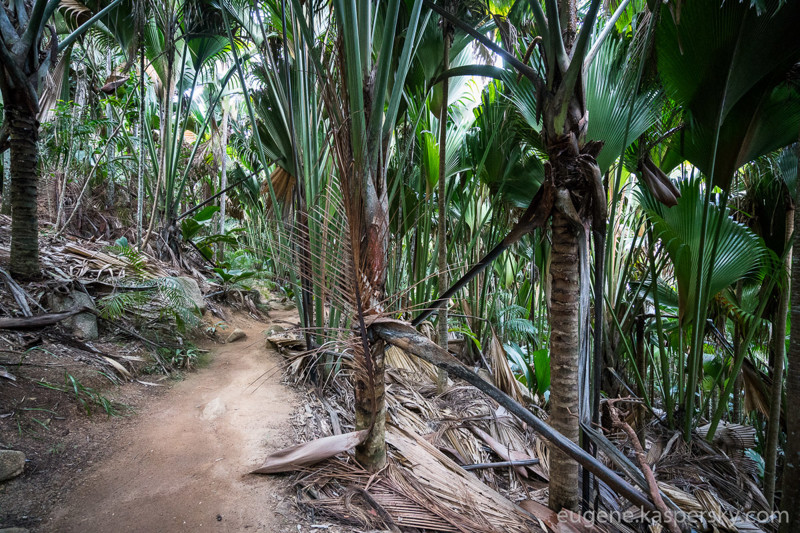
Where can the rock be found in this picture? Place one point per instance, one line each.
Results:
(12, 463)
(236, 335)
(14, 530)
(281, 305)
(274, 330)
(193, 293)
(214, 409)
(83, 325)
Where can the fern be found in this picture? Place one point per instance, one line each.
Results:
(114, 306)
(138, 294)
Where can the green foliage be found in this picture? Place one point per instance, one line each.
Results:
(741, 254)
(141, 296)
(86, 397)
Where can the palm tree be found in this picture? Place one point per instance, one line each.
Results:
(26, 54)
(363, 107)
(737, 106)
(22, 68)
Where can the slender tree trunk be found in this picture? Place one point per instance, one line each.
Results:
(24, 132)
(5, 209)
(369, 382)
(779, 339)
(444, 281)
(111, 185)
(790, 499)
(564, 346)
(141, 124)
(223, 184)
(737, 347)
(641, 367)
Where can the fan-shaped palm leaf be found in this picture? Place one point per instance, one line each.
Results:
(740, 253)
(610, 99)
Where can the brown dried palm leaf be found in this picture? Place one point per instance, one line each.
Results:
(52, 90)
(283, 184)
(75, 10)
(756, 392)
(451, 492)
(397, 358)
(503, 376)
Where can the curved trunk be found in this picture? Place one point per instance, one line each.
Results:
(564, 346)
(24, 132)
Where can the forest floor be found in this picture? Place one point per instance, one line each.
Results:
(181, 462)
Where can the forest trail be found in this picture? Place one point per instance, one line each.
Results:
(182, 465)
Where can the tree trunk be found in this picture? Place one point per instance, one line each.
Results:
(441, 375)
(140, 125)
(111, 192)
(790, 501)
(641, 367)
(369, 380)
(24, 132)
(223, 181)
(564, 335)
(371, 454)
(5, 209)
(779, 340)
(737, 347)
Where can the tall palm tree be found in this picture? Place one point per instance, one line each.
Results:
(28, 46)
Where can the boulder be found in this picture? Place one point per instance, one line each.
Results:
(236, 335)
(12, 463)
(83, 325)
(274, 330)
(193, 293)
(282, 305)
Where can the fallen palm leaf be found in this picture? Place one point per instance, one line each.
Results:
(504, 451)
(452, 493)
(309, 453)
(118, 367)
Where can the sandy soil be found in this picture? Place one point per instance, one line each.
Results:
(182, 464)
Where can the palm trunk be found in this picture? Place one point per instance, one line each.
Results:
(223, 183)
(737, 348)
(369, 380)
(5, 209)
(24, 132)
(111, 192)
(441, 375)
(779, 339)
(564, 334)
(790, 500)
(641, 367)
(140, 125)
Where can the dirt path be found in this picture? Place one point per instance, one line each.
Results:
(181, 466)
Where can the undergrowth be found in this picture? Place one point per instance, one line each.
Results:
(86, 397)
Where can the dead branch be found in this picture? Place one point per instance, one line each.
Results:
(641, 457)
(35, 322)
(500, 464)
